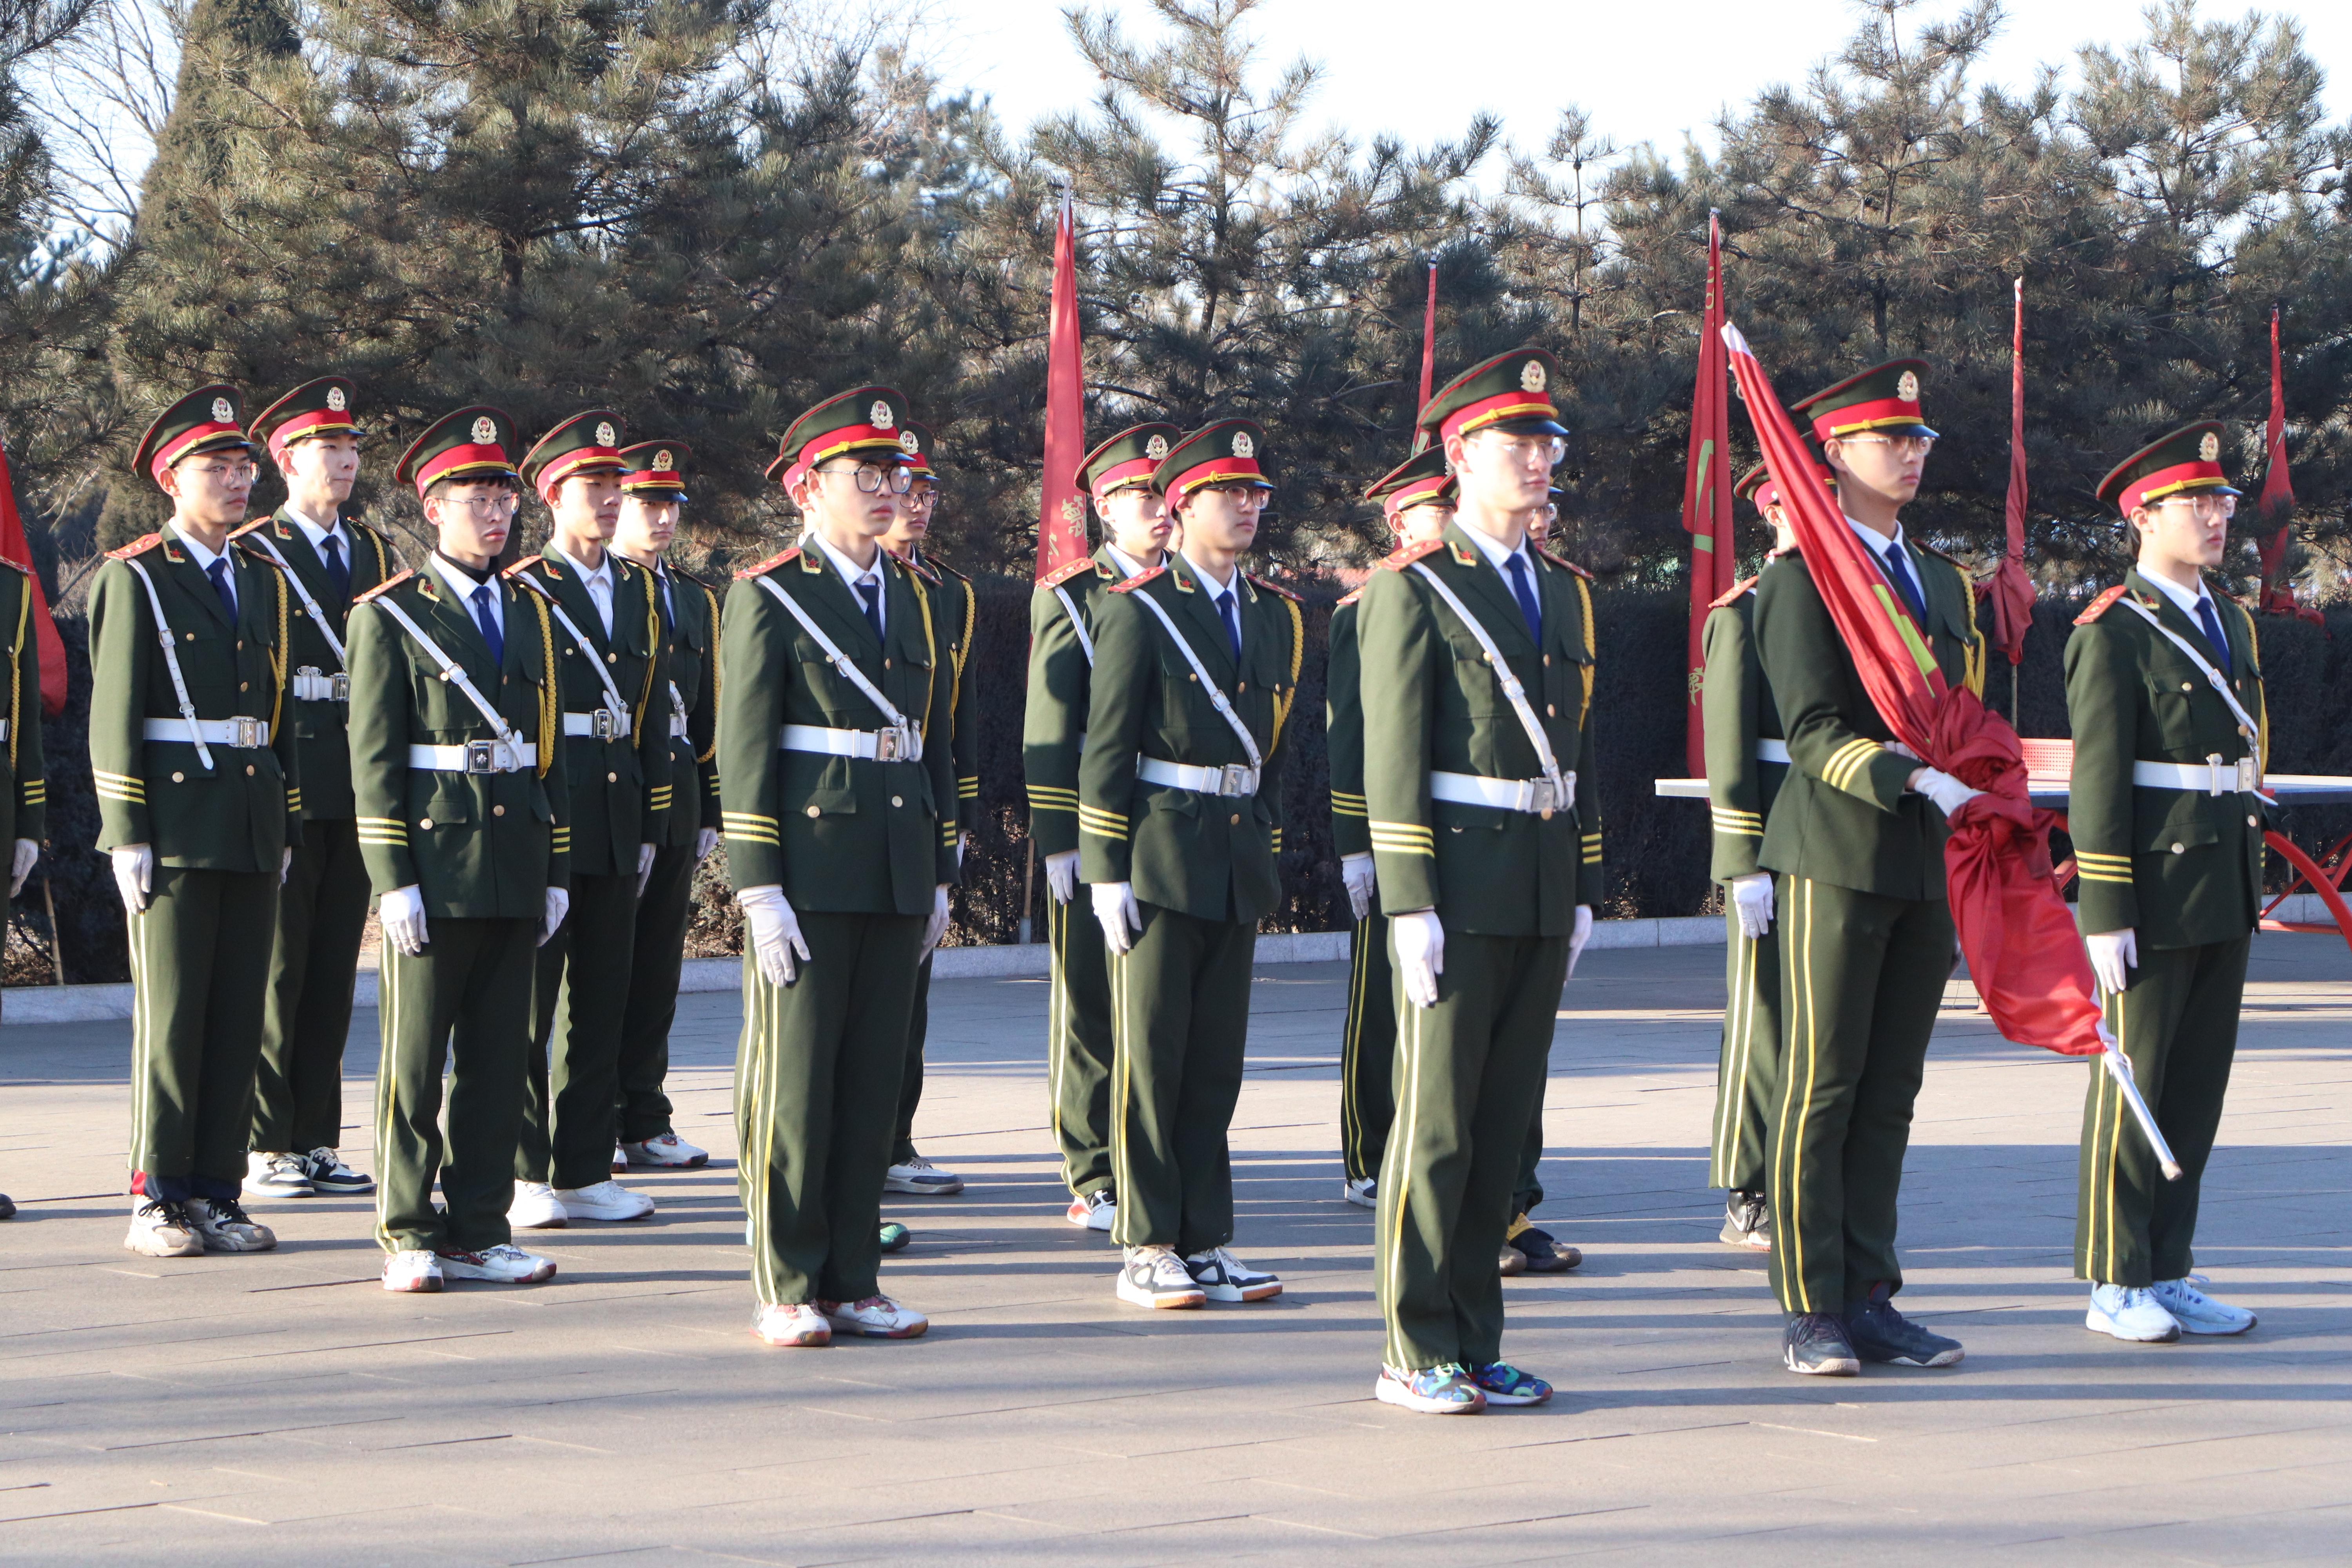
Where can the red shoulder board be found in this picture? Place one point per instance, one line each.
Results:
(919, 572)
(2100, 605)
(771, 563)
(1067, 570)
(1138, 581)
(936, 564)
(15, 565)
(1745, 586)
(1399, 560)
(139, 546)
(1272, 587)
(521, 566)
(249, 527)
(397, 578)
(1350, 599)
(1570, 566)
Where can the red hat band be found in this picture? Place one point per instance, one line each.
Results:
(2166, 482)
(1216, 470)
(652, 479)
(1135, 471)
(317, 421)
(189, 442)
(570, 463)
(1857, 418)
(1414, 494)
(1472, 417)
(832, 443)
(459, 459)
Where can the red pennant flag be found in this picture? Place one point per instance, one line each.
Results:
(44, 627)
(1421, 439)
(1062, 512)
(2276, 506)
(2023, 949)
(1706, 493)
(2011, 589)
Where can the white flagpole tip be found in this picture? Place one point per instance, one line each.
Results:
(1735, 340)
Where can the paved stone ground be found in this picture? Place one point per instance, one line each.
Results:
(281, 1408)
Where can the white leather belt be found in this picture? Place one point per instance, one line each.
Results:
(678, 726)
(1233, 778)
(1537, 795)
(890, 746)
(475, 757)
(603, 724)
(310, 685)
(1772, 752)
(2212, 776)
(241, 732)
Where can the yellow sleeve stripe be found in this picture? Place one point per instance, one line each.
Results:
(1345, 805)
(136, 795)
(1727, 820)
(2089, 875)
(1102, 824)
(1278, 840)
(1845, 764)
(2102, 857)
(1054, 795)
(968, 787)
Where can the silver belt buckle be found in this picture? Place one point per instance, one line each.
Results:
(482, 757)
(338, 687)
(887, 743)
(2250, 779)
(1544, 797)
(1236, 779)
(605, 720)
(244, 731)
(303, 675)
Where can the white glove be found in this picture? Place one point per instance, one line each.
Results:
(961, 840)
(2113, 953)
(937, 926)
(1420, 954)
(285, 864)
(645, 868)
(1949, 793)
(1115, 907)
(28, 851)
(134, 874)
(1751, 901)
(1356, 875)
(558, 904)
(706, 839)
(400, 912)
(1578, 935)
(775, 933)
(1900, 750)
(1062, 876)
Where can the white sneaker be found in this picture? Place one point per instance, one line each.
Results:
(606, 1200)
(874, 1318)
(1095, 1210)
(412, 1268)
(666, 1150)
(2197, 1312)
(536, 1208)
(2127, 1312)
(799, 1326)
(160, 1229)
(921, 1178)
(1358, 1190)
(222, 1226)
(1156, 1276)
(505, 1263)
(1222, 1277)
(276, 1176)
(620, 1159)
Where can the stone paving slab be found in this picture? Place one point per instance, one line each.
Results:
(282, 1408)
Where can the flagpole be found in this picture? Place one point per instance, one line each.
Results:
(1706, 495)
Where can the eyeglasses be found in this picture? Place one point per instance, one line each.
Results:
(1525, 451)
(1902, 445)
(481, 505)
(874, 479)
(921, 500)
(230, 471)
(2202, 507)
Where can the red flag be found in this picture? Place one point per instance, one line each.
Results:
(1706, 493)
(2276, 506)
(45, 628)
(1062, 512)
(2011, 589)
(1428, 344)
(2023, 951)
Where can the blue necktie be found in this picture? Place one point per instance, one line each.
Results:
(1523, 589)
(218, 573)
(339, 573)
(2212, 625)
(1232, 625)
(669, 613)
(1899, 570)
(871, 592)
(489, 624)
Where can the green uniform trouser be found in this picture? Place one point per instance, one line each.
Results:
(910, 1080)
(1078, 1047)
(298, 1095)
(580, 996)
(816, 1087)
(1747, 1069)
(2177, 1025)
(199, 974)
(1179, 1027)
(1860, 978)
(463, 1004)
(663, 909)
(1368, 1051)
(1469, 1073)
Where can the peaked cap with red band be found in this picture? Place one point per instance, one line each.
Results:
(1511, 393)
(1127, 460)
(320, 407)
(1882, 401)
(919, 454)
(1418, 480)
(656, 470)
(1222, 452)
(205, 420)
(2186, 462)
(867, 422)
(587, 443)
(470, 445)
(1756, 486)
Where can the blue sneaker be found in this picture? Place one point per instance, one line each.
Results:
(1504, 1383)
(895, 1236)
(2197, 1312)
(1442, 1390)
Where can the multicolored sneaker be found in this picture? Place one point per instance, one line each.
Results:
(1095, 1211)
(894, 1237)
(1504, 1383)
(1442, 1390)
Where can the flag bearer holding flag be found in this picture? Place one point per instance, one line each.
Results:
(2164, 693)
(1855, 838)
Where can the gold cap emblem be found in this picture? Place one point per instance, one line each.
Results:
(910, 443)
(224, 411)
(1156, 448)
(485, 431)
(1532, 377)
(605, 435)
(1907, 389)
(335, 399)
(2210, 449)
(880, 417)
(665, 458)
(1242, 445)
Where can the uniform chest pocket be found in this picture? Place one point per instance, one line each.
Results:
(1475, 678)
(2173, 691)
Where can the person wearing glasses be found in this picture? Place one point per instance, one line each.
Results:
(200, 804)
(838, 806)
(1855, 843)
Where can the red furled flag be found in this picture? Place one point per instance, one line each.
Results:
(1706, 493)
(1421, 438)
(1062, 512)
(2276, 506)
(45, 629)
(2011, 589)
(2023, 949)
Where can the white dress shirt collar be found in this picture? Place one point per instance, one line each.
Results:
(598, 583)
(461, 583)
(853, 574)
(1129, 566)
(1498, 553)
(319, 536)
(2187, 600)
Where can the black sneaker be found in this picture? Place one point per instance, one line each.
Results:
(1814, 1344)
(1745, 1222)
(1880, 1333)
(1543, 1254)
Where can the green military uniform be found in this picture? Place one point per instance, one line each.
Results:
(687, 709)
(2176, 859)
(1866, 938)
(1062, 630)
(617, 764)
(297, 1101)
(857, 831)
(1465, 821)
(218, 818)
(1172, 802)
(477, 822)
(25, 789)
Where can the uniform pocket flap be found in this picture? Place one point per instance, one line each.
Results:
(2185, 825)
(1459, 815)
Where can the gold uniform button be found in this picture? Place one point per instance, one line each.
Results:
(190, 636)
(885, 664)
(894, 800)
(1236, 819)
(424, 821)
(179, 778)
(1240, 686)
(497, 811)
(812, 811)
(2187, 686)
(248, 770)
(240, 686)
(2250, 822)
(2180, 849)
(612, 778)
(1550, 710)
(1547, 658)
(612, 659)
(1192, 678)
